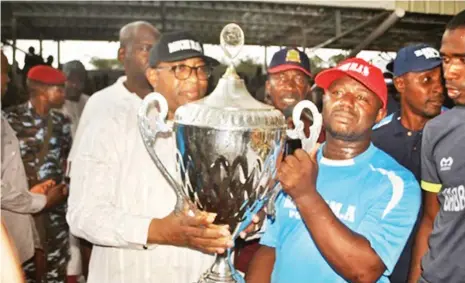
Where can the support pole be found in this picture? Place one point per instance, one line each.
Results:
(304, 39)
(163, 13)
(40, 47)
(58, 54)
(14, 30)
(266, 59)
(337, 20)
(380, 30)
(344, 34)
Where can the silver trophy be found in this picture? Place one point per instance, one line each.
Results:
(228, 145)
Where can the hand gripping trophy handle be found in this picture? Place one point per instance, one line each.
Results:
(150, 136)
(298, 133)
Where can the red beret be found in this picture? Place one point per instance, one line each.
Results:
(46, 75)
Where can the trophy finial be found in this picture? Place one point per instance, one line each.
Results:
(232, 40)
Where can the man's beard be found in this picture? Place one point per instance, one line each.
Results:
(344, 136)
(429, 115)
(423, 110)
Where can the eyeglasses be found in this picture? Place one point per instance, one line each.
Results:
(183, 72)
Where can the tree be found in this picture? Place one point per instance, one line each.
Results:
(106, 64)
(317, 64)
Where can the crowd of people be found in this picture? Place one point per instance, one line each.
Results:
(382, 199)
(17, 92)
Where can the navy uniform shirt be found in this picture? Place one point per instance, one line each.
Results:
(400, 143)
(404, 146)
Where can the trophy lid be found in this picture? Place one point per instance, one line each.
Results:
(230, 105)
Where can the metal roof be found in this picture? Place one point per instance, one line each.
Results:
(264, 23)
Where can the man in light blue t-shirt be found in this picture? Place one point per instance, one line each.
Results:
(347, 209)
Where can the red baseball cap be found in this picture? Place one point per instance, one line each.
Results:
(359, 69)
(46, 75)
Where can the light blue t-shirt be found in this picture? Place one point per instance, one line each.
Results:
(371, 194)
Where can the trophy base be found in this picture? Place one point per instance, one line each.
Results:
(222, 271)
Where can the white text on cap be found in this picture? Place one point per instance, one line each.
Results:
(428, 52)
(185, 44)
(355, 67)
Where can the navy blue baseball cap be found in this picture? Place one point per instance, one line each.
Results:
(177, 46)
(416, 58)
(289, 59)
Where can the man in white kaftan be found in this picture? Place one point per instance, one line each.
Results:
(119, 200)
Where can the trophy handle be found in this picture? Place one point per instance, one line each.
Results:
(298, 133)
(150, 136)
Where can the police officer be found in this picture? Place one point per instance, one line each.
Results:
(45, 141)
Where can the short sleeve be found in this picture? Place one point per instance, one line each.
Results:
(429, 177)
(271, 235)
(390, 220)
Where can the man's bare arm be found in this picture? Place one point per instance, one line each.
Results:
(349, 253)
(261, 266)
(430, 209)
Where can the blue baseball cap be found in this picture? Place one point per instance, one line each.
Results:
(416, 58)
(289, 59)
(178, 46)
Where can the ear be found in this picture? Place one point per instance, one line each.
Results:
(267, 96)
(380, 115)
(121, 54)
(399, 83)
(267, 86)
(152, 77)
(308, 92)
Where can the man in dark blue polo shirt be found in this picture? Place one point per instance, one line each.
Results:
(417, 78)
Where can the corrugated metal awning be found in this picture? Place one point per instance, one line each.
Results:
(264, 23)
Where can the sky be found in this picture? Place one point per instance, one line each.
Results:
(85, 50)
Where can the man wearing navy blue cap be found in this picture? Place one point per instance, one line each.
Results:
(289, 82)
(417, 78)
(288, 78)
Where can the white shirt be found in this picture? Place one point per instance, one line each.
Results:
(16, 201)
(73, 110)
(116, 190)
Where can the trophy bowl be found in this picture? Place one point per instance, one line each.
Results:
(228, 147)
